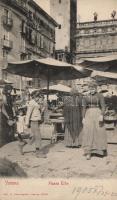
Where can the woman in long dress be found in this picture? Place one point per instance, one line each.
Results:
(73, 119)
(7, 115)
(94, 134)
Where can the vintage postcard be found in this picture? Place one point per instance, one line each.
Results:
(58, 99)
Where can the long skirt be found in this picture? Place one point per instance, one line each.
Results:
(73, 126)
(6, 131)
(69, 141)
(94, 136)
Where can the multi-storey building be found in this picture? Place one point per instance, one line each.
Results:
(26, 32)
(96, 38)
(65, 13)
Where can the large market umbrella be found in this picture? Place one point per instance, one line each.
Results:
(104, 74)
(105, 63)
(46, 68)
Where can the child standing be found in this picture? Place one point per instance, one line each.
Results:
(20, 130)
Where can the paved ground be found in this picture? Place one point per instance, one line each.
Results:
(64, 162)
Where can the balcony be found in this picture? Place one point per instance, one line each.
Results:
(7, 44)
(19, 5)
(7, 21)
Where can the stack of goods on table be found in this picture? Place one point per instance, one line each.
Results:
(111, 112)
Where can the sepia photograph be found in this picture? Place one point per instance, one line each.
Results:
(58, 99)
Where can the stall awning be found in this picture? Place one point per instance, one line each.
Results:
(104, 74)
(107, 63)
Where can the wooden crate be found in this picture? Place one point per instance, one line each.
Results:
(48, 132)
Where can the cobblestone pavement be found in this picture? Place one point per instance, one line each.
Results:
(63, 162)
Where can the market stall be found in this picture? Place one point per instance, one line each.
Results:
(105, 67)
(48, 69)
(110, 95)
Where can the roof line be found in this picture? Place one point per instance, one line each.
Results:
(43, 12)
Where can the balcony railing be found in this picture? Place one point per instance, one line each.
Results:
(103, 50)
(21, 3)
(96, 24)
(7, 21)
(8, 44)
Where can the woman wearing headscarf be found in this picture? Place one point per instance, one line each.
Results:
(7, 115)
(73, 119)
(94, 135)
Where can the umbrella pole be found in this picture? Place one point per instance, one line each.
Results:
(21, 85)
(48, 80)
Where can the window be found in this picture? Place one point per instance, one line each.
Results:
(30, 35)
(59, 27)
(38, 40)
(29, 56)
(22, 45)
(60, 56)
(6, 35)
(41, 42)
(5, 53)
(30, 14)
(29, 83)
(23, 57)
(6, 12)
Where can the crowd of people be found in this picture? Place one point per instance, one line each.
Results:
(83, 120)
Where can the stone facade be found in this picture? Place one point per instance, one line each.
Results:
(97, 38)
(26, 32)
(65, 13)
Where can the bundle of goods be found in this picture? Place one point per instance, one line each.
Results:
(111, 103)
(110, 115)
(110, 119)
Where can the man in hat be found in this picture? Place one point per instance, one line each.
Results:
(34, 119)
(7, 114)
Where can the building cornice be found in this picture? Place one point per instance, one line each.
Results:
(93, 24)
(15, 5)
(95, 51)
(36, 6)
(78, 35)
(24, 10)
